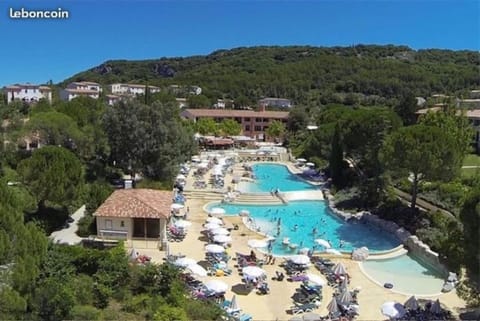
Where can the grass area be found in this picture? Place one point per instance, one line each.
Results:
(471, 160)
(470, 172)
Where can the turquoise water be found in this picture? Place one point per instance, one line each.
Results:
(407, 274)
(308, 215)
(269, 177)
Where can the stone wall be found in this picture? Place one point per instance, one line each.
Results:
(414, 245)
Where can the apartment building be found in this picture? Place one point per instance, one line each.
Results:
(28, 93)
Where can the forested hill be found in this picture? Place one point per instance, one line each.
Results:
(303, 73)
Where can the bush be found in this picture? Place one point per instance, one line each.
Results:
(84, 312)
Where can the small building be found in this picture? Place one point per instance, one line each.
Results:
(81, 88)
(275, 102)
(182, 102)
(113, 99)
(132, 89)
(28, 93)
(135, 214)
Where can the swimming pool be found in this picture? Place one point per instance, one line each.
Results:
(269, 177)
(408, 275)
(298, 219)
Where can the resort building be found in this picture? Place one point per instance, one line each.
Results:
(275, 102)
(113, 99)
(182, 102)
(131, 89)
(28, 93)
(135, 214)
(254, 123)
(81, 88)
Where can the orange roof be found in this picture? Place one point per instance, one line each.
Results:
(234, 113)
(143, 203)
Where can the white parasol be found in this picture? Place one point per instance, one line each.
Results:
(182, 223)
(316, 279)
(393, 309)
(214, 248)
(220, 231)
(323, 243)
(253, 271)
(222, 239)
(197, 270)
(214, 220)
(184, 262)
(300, 259)
(176, 206)
(257, 243)
(216, 286)
(217, 211)
(211, 226)
(339, 269)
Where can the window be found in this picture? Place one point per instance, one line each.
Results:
(258, 128)
(26, 90)
(247, 128)
(122, 223)
(258, 120)
(246, 119)
(108, 224)
(265, 120)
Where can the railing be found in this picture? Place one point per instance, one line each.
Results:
(114, 234)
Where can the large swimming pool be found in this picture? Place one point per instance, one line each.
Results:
(407, 274)
(269, 177)
(297, 221)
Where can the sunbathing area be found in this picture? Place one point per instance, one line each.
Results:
(250, 271)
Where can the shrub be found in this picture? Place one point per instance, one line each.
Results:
(84, 312)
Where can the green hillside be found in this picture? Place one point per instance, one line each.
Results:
(303, 74)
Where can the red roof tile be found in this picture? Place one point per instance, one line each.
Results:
(144, 203)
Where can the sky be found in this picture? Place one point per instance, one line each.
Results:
(39, 50)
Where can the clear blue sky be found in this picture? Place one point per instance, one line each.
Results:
(39, 50)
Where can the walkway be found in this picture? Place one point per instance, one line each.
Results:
(68, 235)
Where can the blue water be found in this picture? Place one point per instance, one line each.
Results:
(269, 177)
(308, 215)
(407, 274)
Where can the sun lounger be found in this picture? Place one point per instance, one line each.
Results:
(308, 307)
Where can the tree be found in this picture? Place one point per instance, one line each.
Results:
(337, 164)
(230, 127)
(425, 152)
(276, 130)
(148, 139)
(206, 126)
(52, 174)
(406, 108)
(470, 217)
(198, 101)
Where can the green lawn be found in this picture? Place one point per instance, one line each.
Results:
(471, 160)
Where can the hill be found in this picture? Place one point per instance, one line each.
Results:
(302, 73)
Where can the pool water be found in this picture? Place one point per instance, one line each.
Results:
(298, 220)
(269, 177)
(407, 274)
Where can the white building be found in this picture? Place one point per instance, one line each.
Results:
(275, 102)
(27, 93)
(131, 89)
(81, 88)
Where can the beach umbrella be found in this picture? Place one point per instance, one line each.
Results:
(216, 286)
(214, 248)
(436, 307)
(197, 270)
(133, 255)
(215, 220)
(182, 223)
(332, 307)
(253, 271)
(316, 279)
(184, 262)
(393, 309)
(345, 297)
(222, 238)
(176, 206)
(220, 231)
(301, 160)
(233, 303)
(217, 211)
(181, 177)
(411, 303)
(300, 259)
(310, 316)
(310, 164)
(323, 243)
(333, 251)
(257, 243)
(211, 226)
(244, 213)
(339, 269)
